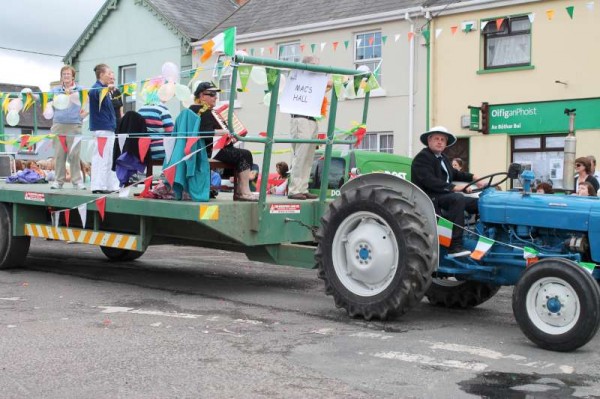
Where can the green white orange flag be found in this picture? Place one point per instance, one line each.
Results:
(529, 253)
(587, 266)
(223, 42)
(444, 229)
(483, 246)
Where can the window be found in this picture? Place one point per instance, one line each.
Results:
(543, 155)
(509, 46)
(127, 74)
(368, 52)
(222, 74)
(290, 52)
(379, 142)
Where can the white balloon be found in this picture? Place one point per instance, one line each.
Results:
(188, 101)
(26, 90)
(267, 99)
(48, 111)
(182, 92)
(16, 104)
(166, 91)
(12, 118)
(61, 101)
(363, 68)
(170, 71)
(258, 75)
(74, 98)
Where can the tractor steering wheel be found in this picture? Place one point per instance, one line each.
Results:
(489, 179)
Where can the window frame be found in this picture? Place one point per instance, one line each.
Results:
(129, 101)
(379, 136)
(543, 147)
(297, 55)
(506, 24)
(225, 77)
(376, 61)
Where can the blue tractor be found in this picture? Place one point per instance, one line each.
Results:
(378, 254)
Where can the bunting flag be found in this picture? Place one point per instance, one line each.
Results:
(5, 102)
(359, 132)
(219, 144)
(84, 97)
(252, 52)
(338, 82)
(272, 74)
(103, 94)
(29, 101)
(271, 50)
(170, 174)
(444, 230)
(410, 36)
(67, 216)
(483, 246)
(372, 83)
(384, 39)
(147, 185)
(129, 89)
(499, 22)
(346, 43)
(63, 143)
(570, 11)
(121, 138)
(357, 81)
(45, 98)
(530, 255)
(262, 51)
(101, 144)
(143, 146)
(550, 14)
(588, 267)
(483, 24)
(371, 40)
(453, 29)
(189, 143)
(427, 35)
(169, 144)
(55, 216)
(531, 17)
(323, 44)
(25, 140)
(312, 47)
(244, 72)
(468, 28)
(358, 42)
(223, 42)
(438, 32)
(335, 44)
(101, 205)
(396, 37)
(82, 209)
(302, 46)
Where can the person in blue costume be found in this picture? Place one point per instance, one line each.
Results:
(193, 174)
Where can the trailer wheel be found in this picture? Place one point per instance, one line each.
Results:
(374, 253)
(121, 255)
(557, 305)
(13, 250)
(452, 293)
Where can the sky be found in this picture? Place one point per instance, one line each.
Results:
(43, 26)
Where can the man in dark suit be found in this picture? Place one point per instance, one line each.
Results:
(433, 173)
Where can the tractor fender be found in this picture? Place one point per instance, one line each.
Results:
(424, 206)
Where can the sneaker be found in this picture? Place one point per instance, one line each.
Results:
(56, 186)
(79, 186)
(457, 250)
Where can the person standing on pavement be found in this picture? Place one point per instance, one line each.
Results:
(67, 123)
(102, 126)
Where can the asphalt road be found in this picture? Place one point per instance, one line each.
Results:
(186, 322)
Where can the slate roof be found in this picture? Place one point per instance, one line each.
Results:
(26, 118)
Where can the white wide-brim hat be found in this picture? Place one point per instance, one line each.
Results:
(441, 130)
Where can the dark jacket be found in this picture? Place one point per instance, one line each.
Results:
(427, 174)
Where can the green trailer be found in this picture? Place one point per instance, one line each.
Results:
(375, 246)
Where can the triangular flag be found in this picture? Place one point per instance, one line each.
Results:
(483, 24)
(262, 51)
(427, 35)
(147, 184)
(588, 267)
(483, 246)
(82, 209)
(357, 81)
(346, 43)
(29, 101)
(63, 143)
(272, 74)
(384, 39)
(570, 10)
(76, 141)
(438, 32)
(219, 144)
(372, 83)
(410, 36)
(550, 14)
(338, 82)
(170, 174)
(169, 144)
(468, 28)
(121, 138)
(453, 29)
(302, 47)
(101, 144)
(252, 51)
(24, 140)
(323, 44)
(531, 17)
(590, 5)
(244, 71)
(397, 37)
(529, 253)
(358, 42)
(371, 40)
(444, 230)
(359, 133)
(143, 146)
(67, 216)
(312, 47)
(45, 98)
(124, 192)
(189, 143)
(103, 94)
(499, 22)
(271, 50)
(101, 205)
(335, 44)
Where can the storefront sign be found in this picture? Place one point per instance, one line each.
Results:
(543, 117)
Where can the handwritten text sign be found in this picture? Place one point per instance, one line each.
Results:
(303, 93)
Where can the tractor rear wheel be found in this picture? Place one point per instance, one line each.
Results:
(13, 250)
(452, 293)
(374, 252)
(121, 255)
(557, 305)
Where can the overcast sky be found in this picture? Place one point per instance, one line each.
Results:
(45, 26)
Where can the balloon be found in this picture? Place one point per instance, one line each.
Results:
(188, 101)
(258, 75)
(170, 71)
(363, 68)
(74, 98)
(61, 101)
(12, 118)
(241, 52)
(267, 99)
(15, 104)
(182, 92)
(166, 91)
(48, 111)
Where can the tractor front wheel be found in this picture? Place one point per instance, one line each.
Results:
(374, 252)
(120, 255)
(557, 305)
(452, 293)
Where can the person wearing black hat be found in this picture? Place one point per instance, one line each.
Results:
(206, 98)
(433, 173)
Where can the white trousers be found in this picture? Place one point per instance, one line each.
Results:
(302, 160)
(103, 178)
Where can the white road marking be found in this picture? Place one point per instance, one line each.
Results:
(11, 326)
(430, 361)
(119, 309)
(156, 324)
(248, 321)
(474, 350)
(323, 331)
(567, 369)
(14, 298)
(371, 335)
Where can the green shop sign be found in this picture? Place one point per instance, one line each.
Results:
(543, 117)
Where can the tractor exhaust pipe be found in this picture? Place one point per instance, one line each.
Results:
(569, 154)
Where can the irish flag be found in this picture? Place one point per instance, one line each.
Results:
(444, 229)
(588, 267)
(223, 42)
(483, 246)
